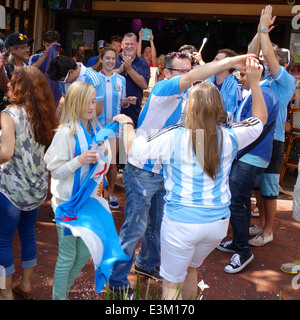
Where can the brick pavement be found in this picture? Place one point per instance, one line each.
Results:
(260, 280)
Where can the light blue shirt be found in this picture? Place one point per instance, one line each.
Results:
(283, 85)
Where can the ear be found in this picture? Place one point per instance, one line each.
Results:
(167, 74)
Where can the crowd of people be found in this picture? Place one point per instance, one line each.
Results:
(205, 140)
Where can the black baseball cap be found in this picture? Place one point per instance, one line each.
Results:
(17, 39)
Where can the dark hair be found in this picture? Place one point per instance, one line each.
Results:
(115, 38)
(187, 47)
(228, 53)
(60, 66)
(171, 56)
(51, 36)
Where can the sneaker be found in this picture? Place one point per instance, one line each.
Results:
(113, 202)
(154, 273)
(293, 267)
(261, 239)
(226, 246)
(254, 230)
(125, 294)
(238, 263)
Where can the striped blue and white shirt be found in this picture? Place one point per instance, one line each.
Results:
(90, 76)
(162, 109)
(115, 92)
(191, 195)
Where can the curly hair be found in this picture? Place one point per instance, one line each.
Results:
(30, 89)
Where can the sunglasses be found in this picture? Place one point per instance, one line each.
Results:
(180, 70)
(65, 79)
(22, 37)
(289, 54)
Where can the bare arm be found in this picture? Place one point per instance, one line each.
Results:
(3, 77)
(129, 132)
(205, 71)
(8, 139)
(266, 20)
(259, 108)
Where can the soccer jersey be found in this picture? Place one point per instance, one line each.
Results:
(191, 195)
(115, 92)
(162, 109)
(90, 76)
(283, 85)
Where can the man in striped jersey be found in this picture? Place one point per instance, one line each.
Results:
(66, 71)
(143, 182)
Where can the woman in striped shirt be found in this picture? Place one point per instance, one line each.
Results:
(196, 159)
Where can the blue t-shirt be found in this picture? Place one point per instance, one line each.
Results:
(35, 57)
(264, 148)
(283, 85)
(141, 66)
(91, 62)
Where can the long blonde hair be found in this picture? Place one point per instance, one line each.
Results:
(205, 111)
(75, 104)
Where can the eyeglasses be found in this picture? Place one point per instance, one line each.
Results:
(22, 37)
(65, 79)
(180, 55)
(179, 70)
(289, 54)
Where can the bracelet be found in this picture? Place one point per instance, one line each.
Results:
(128, 123)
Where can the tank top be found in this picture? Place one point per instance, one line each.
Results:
(24, 177)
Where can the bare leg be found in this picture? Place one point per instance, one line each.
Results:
(190, 284)
(170, 291)
(25, 283)
(270, 211)
(260, 202)
(6, 294)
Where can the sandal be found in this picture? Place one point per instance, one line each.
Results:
(24, 295)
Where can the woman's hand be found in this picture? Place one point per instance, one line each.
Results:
(88, 157)
(121, 118)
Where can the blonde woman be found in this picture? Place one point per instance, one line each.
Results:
(70, 159)
(197, 159)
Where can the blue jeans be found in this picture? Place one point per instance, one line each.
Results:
(143, 212)
(12, 218)
(243, 178)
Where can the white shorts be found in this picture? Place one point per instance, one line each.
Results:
(186, 245)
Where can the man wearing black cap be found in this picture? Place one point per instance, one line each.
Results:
(18, 52)
(17, 55)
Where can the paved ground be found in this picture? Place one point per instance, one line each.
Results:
(260, 280)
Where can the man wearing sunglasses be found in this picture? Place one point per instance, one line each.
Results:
(143, 182)
(66, 71)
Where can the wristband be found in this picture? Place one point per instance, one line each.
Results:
(128, 123)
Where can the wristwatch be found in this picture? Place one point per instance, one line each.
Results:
(264, 30)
